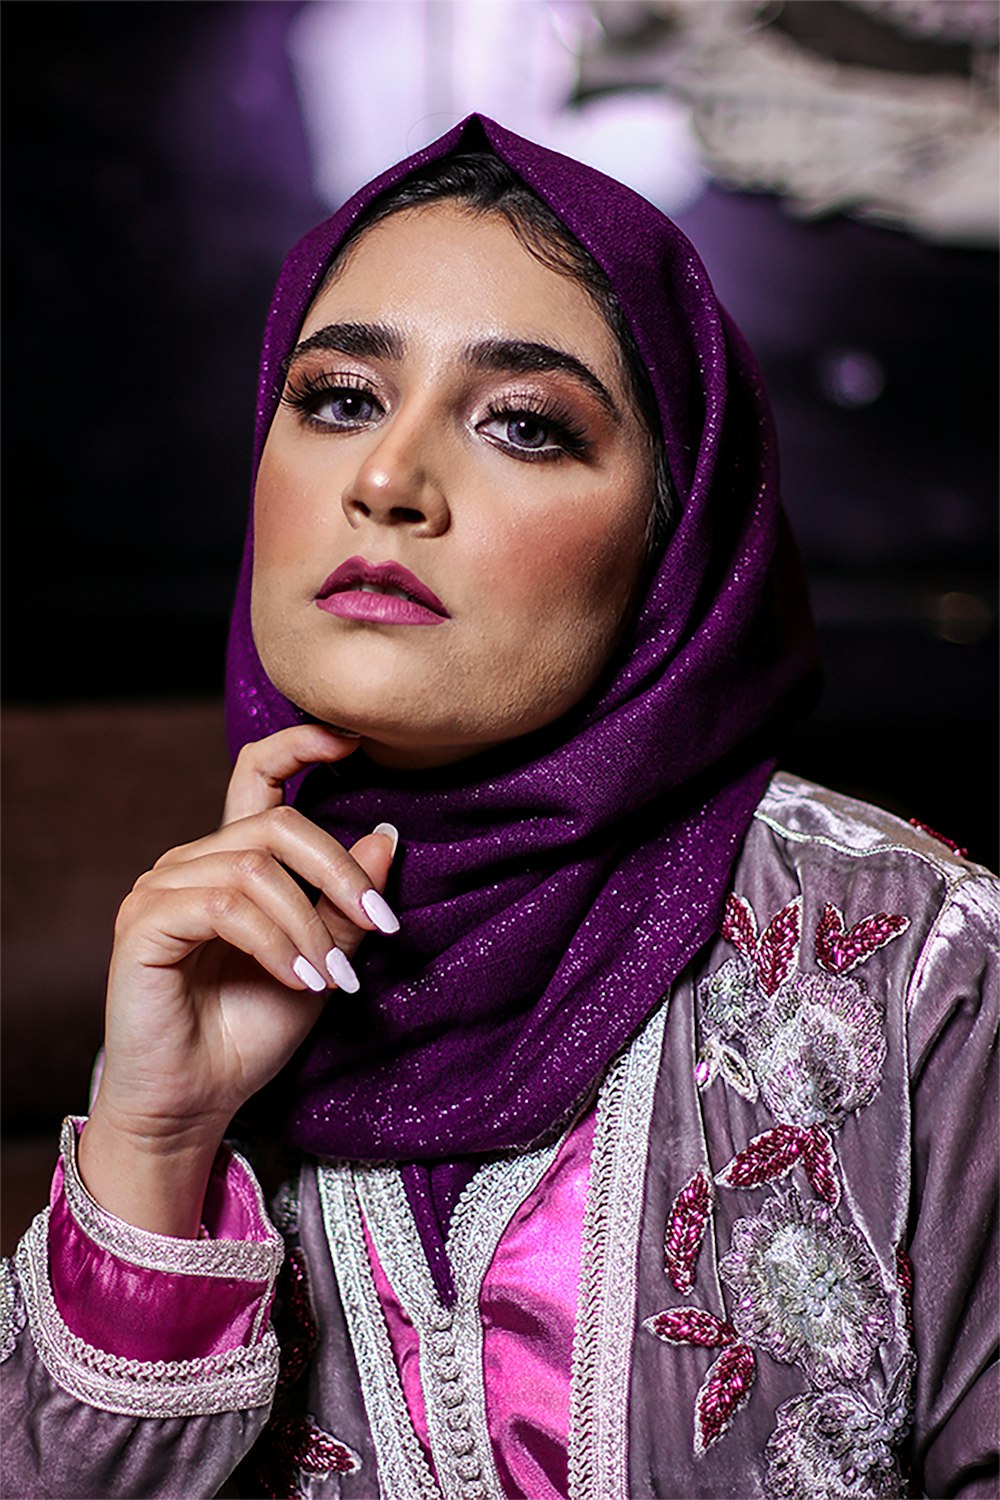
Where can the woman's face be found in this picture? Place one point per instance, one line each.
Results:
(451, 508)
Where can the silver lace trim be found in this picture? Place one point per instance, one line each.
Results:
(239, 1260)
(403, 1471)
(605, 1324)
(450, 1339)
(235, 1380)
(12, 1310)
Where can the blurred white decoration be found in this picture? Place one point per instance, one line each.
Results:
(917, 150)
(378, 79)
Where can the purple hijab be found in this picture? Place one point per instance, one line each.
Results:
(550, 891)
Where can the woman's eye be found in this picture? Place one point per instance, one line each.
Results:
(323, 402)
(344, 408)
(525, 432)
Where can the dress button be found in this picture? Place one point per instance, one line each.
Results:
(457, 1420)
(453, 1395)
(461, 1442)
(448, 1369)
(469, 1468)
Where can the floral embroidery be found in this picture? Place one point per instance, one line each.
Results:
(811, 1045)
(729, 1380)
(686, 1225)
(716, 1058)
(817, 1053)
(838, 951)
(836, 1445)
(807, 1289)
(773, 1155)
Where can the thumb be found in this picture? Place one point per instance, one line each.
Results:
(374, 853)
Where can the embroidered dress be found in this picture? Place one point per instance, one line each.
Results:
(629, 1323)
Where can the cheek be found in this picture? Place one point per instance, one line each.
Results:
(580, 560)
(290, 513)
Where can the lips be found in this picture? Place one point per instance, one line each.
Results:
(380, 593)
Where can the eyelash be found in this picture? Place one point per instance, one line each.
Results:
(304, 394)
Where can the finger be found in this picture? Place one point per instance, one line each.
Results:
(374, 853)
(270, 887)
(262, 768)
(309, 852)
(160, 928)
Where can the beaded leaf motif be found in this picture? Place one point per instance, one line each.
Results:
(839, 949)
(806, 1288)
(729, 1380)
(686, 1225)
(775, 1152)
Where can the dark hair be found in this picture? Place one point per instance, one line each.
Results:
(484, 184)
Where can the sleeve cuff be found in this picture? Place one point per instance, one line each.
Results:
(117, 1311)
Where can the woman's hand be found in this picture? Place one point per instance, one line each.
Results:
(221, 966)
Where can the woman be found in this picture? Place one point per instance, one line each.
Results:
(624, 1161)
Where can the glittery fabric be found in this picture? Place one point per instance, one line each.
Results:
(551, 890)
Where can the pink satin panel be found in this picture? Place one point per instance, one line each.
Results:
(156, 1315)
(405, 1347)
(528, 1309)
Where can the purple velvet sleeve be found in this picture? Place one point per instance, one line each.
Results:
(953, 1245)
(132, 1363)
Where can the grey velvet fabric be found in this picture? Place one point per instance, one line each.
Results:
(917, 1164)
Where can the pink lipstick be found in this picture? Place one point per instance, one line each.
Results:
(381, 594)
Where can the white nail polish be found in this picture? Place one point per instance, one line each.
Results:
(380, 912)
(389, 832)
(342, 972)
(310, 976)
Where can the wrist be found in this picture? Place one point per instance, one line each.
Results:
(151, 1177)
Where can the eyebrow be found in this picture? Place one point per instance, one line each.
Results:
(505, 356)
(374, 340)
(522, 357)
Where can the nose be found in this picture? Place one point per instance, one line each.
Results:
(398, 482)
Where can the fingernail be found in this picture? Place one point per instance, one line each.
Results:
(380, 912)
(310, 976)
(389, 832)
(341, 972)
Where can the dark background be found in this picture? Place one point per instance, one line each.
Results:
(155, 171)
